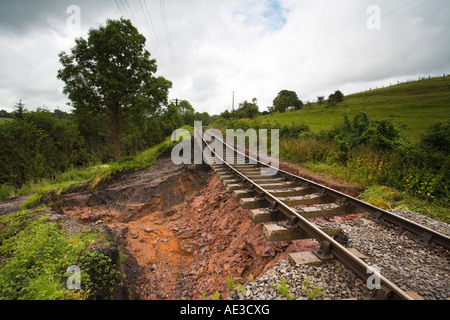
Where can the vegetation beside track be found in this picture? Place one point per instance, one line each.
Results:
(394, 142)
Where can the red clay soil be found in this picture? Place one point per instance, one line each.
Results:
(183, 231)
(205, 241)
(227, 243)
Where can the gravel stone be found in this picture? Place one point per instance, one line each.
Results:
(411, 266)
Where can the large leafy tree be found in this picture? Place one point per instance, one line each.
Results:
(287, 99)
(111, 73)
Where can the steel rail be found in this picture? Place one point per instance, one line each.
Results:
(329, 245)
(425, 234)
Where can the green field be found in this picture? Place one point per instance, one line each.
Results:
(412, 107)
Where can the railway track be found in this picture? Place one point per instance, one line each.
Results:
(285, 203)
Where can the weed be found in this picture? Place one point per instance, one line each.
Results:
(35, 254)
(98, 274)
(235, 285)
(283, 289)
(313, 293)
(216, 296)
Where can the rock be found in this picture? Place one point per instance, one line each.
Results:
(149, 229)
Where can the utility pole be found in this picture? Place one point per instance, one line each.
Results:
(232, 105)
(176, 101)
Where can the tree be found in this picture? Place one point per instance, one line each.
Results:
(187, 112)
(5, 114)
(111, 73)
(335, 98)
(287, 99)
(320, 99)
(247, 109)
(19, 110)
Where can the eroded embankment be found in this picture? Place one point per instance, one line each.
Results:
(183, 233)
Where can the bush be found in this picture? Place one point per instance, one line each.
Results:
(381, 135)
(35, 255)
(99, 276)
(38, 146)
(335, 98)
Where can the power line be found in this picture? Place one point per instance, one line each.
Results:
(125, 9)
(404, 13)
(121, 13)
(148, 26)
(364, 30)
(154, 35)
(401, 7)
(151, 28)
(132, 15)
(166, 27)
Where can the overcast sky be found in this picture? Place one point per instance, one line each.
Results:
(210, 48)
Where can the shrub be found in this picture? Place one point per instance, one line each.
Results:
(335, 98)
(381, 135)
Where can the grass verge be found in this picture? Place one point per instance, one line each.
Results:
(381, 196)
(36, 252)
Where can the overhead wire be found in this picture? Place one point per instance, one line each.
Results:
(154, 35)
(364, 30)
(132, 15)
(168, 36)
(409, 11)
(121, 13)
(125, 9)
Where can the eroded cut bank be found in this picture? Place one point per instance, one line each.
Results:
(183, 233)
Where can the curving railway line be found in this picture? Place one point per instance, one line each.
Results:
(279, 201)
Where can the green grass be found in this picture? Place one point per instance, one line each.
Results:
(412, 107)
(3, 120)
(35, 254)
(382, 196)
(77, 176)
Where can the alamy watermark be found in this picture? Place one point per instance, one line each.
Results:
(374, 281)
(73, 22)
(374, 20)
(257, 149)
(74, 280)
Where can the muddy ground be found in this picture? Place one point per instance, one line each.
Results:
(183, 233)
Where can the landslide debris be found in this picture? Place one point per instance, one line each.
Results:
(182, 233)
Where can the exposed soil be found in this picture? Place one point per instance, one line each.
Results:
(11, 205)
(183, 232)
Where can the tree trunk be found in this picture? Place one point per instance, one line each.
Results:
(116, 135)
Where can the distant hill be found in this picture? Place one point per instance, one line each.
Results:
(411, 106)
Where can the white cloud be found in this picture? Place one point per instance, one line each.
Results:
(255, 48)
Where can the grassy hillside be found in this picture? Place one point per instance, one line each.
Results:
(369, 153)
(412, 107)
